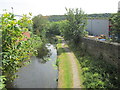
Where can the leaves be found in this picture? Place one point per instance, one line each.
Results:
(39, 25)
(115, 23)
(15, 50)
(98, 74)
(2, 81)
(76, 25)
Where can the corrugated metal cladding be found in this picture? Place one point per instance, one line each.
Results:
(98, 26)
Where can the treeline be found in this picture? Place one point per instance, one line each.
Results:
(56, 18)
(63, 17)
(104, 15)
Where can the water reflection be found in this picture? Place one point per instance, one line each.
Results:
(40, 73)
(46, 53)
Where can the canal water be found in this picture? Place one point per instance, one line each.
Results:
(39, 73)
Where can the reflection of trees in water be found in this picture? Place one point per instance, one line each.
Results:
(43, 54)
(44, 59)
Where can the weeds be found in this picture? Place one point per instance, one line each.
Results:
(97, 73)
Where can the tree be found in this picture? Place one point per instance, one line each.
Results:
(39, 25)
(115, 21)
(53, 29)
(63, 27)
(56, 28)
(77, 21)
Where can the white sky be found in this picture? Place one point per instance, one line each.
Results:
(57, 7)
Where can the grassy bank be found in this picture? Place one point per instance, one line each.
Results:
(65, 70)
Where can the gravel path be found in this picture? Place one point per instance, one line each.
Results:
(72, 58)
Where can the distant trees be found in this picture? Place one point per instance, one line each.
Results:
(76, 24)
(53, 29)
(56, 18)
(102, 15)
(56, 28)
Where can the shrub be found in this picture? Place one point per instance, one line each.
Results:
(15, 50)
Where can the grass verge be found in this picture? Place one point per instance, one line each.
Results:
(65, 70)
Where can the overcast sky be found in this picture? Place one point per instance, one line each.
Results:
(57, 7)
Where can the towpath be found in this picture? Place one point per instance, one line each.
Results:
(73, 60)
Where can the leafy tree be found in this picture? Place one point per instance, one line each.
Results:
(53, 29)
(77, 21)
(115, 21)
(40, 25)
(56, 28)
(63, 27)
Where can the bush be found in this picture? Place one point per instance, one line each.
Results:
(15, 50)
(115, 21)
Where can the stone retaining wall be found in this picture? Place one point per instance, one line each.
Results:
(102, 50)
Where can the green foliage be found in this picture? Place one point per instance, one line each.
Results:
(15, 50)
(63, 26)
(53, 29)
(56, 28)
(102, 15)
(96, 73)
(56, 18)
(115, 22)
(77, 21)
(2, 82)
(40, 25)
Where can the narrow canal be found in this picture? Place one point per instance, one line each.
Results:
(39, 73)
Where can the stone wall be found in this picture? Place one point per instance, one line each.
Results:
(102, 50)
